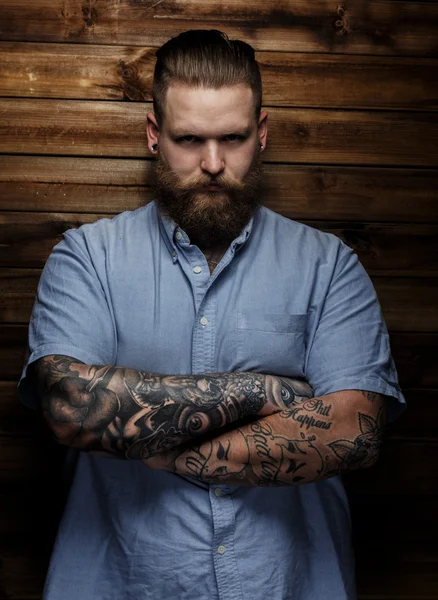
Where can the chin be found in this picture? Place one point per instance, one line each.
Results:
(206, 199)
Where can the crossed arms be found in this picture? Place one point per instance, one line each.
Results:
(236, 428)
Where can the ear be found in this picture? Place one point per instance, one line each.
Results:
(152, 131)
(263, 128)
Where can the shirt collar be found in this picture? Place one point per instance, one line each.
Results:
(171, 232)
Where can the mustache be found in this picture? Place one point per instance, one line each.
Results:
(224, 181)
(170, 179)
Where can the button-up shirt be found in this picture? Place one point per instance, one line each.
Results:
(285, 299)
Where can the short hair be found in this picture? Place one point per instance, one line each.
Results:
(205, 58)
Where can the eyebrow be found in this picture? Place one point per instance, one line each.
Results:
(176, 133)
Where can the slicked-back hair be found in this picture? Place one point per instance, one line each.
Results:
(205, 58)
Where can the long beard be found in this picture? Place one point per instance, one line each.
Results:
(209, 218)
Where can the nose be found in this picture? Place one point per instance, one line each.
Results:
(212, 161)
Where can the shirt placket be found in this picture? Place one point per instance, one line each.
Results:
(196, 269)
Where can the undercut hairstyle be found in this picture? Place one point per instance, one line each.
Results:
(205, 58)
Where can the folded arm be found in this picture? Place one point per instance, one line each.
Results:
(132, 414)
(312, 440)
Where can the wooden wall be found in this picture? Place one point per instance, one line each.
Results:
(352, 92)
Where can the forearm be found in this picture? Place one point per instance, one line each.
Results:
(134, 414)
(313, 440)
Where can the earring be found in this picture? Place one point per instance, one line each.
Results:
(261, 146)
(154, 147)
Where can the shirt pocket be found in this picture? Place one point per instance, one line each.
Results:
(272, 343)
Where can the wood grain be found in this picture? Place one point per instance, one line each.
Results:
(354, 91)
(416, 358)
(103, 185)
(384, 549)
(26, 240)
(78, 127)
(380, 27)
(407, 304)
(415, 354)
(13, 342)
(15, 418)
(91, 72)
(401, 467)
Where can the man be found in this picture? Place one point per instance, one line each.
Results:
(236, 360)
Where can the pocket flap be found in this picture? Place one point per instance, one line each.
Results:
(272, 322)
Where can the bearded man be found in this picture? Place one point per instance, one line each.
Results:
(235, 361)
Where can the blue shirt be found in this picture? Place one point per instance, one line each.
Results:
(285, 299)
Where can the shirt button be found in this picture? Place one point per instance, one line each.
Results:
(197, 269)
(178, 235)
(218, 492)
(204, 321)
(221, 549)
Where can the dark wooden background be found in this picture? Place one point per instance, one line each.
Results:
(352, 92)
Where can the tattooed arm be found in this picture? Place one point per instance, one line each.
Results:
(132, 414)
(314, 439)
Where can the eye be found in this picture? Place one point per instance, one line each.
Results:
(285, 394)
(197, 422)
(187, 139)
(234, 137)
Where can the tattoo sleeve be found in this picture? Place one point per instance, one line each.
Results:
(132, 414)
(314, 439)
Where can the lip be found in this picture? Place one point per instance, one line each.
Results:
(212, 188)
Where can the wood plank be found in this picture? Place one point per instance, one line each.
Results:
(416, 358)
(408, 304)
(90, 72)
(15, 418)
(375, 27)
(415, 354)
(402, 466)
(23, 569)
(388, 532)
(13, 342)
(79, 170)
(389, 249)
(17, 294)
(407, 521)
(297, 135)
(381, 577)
(394, 540)
(26, 240)
(82, 198)
(34, 235)
(417, 423)
(75, 184)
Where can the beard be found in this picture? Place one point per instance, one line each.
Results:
(210, 218)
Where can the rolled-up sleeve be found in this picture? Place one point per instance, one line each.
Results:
(71, 314)
(350, 348)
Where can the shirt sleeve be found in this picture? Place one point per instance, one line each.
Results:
(350, 348)
(71, 314)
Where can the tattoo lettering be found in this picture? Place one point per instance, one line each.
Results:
(281, 459)
(274, 451)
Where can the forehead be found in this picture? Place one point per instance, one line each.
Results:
(206, 110)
